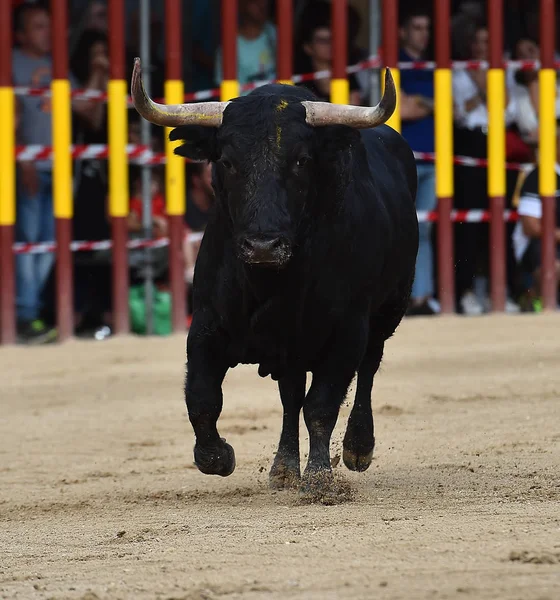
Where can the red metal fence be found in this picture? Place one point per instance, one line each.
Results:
(119, 154)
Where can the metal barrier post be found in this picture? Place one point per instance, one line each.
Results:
(444, 155)
(390, 40)
(547, 154)
(229, 88)
(284, 52)
(340, 89)
(7, 180)
(62, 169)
(118, 165)
(496, 156)
(175, 167)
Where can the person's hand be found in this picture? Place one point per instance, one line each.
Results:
(29, 178)
(160, 226)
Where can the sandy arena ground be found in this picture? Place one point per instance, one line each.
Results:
(99, 498)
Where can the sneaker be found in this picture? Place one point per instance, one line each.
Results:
(512, 307)
(470, 305)
(424, 308)
(36, 332)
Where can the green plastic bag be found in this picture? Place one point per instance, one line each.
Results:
(161, 310)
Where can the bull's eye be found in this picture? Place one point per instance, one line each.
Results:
(227, 164)
(302, 161)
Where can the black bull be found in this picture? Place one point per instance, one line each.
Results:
(306, 264)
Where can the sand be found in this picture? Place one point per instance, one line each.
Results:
(99, 498)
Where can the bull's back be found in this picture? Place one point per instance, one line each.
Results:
(390, 156)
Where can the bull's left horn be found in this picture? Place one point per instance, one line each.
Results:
(359, 117)
(207, 114)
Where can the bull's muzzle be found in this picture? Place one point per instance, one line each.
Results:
(265, 250)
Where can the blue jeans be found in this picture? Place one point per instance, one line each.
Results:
(34, 223)
(423, 285)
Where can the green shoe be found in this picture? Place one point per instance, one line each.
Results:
(537, 305)
(37, 332)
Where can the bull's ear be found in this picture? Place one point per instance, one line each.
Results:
(199, 143)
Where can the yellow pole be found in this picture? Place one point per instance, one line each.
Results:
(496, 133)
(7, 158)
(547, 132)
(340, 91)
(62, 160)
(547, 185)
(395, 119)
(444, 133)
(175, 165)
(118, 137)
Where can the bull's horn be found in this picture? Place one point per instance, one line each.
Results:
(360, 117)
(207, 114)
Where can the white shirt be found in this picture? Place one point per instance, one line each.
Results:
(464, 89)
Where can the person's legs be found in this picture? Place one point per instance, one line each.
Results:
(470, 193)
(32, 270)
(423, 285)
(45, 261)
(28, 224)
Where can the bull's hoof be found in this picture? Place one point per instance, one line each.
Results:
(355, 461)
(320, 487)
(217, 460)
(283, 476)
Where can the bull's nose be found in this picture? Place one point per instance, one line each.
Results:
(265, 249)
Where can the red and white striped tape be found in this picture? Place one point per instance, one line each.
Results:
(466, 216)
(370, 63)
(136, 153)
(457, 216)
(45, 247)
(143, 155)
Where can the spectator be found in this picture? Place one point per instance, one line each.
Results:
(256, 44)
(527, 234)
(92, 270)
(200, 195)
(524, 89)
(416, 100)
(31, 66)
(204, 31)
(200, 200)
(471, 139)
(159, 215)
(314, 52)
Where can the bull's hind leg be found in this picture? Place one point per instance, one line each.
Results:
(285, 471)
(359, 439)
(206, 369)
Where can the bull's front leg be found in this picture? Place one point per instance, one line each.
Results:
(285, 471)
(326, 395)
(206, 369)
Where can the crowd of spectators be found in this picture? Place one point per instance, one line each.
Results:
(256, 60)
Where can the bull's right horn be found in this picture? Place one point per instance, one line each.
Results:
(207, 114)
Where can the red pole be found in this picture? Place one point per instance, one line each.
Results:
(118, 167)
(339, 29)
(547, 154)
(444, 155)
(7, 180)
(62, 169)
(496, 156)
(229, 85)
(284, 17)
(390, 40)
(175, 168)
